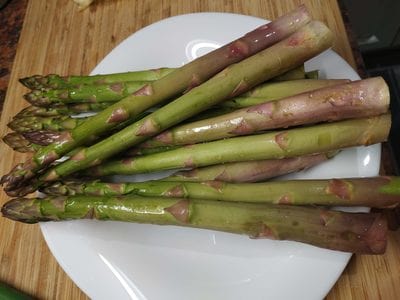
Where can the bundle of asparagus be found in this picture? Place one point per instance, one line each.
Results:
(211, 116)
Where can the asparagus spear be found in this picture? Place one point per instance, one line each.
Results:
(35, 111)
(314, 37)
(289, 143)
(278, 90)
(34, 123)
(351, 232)
(61, 110)
(183, 78)
(265, 92)
(381, 192)
(250, 171)
(337, 102)
(20, 144)
(31, 141)
(46, 130)
(111, 92)
(42, 137)
(116, 91)
(54, 81)
(260, 94)
(216, 128)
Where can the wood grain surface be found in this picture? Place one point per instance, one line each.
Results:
(57, 38)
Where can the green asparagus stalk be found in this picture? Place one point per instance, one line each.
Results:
(277, 90)
(46, 130)
(260, 94)
(181, 79)
(351, 232)
(20, 144)
(32, 141)
(314, 37)
(100, 93)
(61, 110)
(112, 92)
(55, 81)
(34, 123)
(332, 103)
(282, 144)
(250, 171)
(380, 192)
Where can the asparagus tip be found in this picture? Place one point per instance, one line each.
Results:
(42, 137)
(17, 142)
(36, 97)
(29, 82)
(20, 209)
(34, 82)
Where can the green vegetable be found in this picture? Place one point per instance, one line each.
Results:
(352, 232)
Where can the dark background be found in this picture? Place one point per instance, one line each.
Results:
(376, 29)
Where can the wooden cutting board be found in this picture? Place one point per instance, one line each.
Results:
(57, 38)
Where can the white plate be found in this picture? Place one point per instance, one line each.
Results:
(112, 260)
